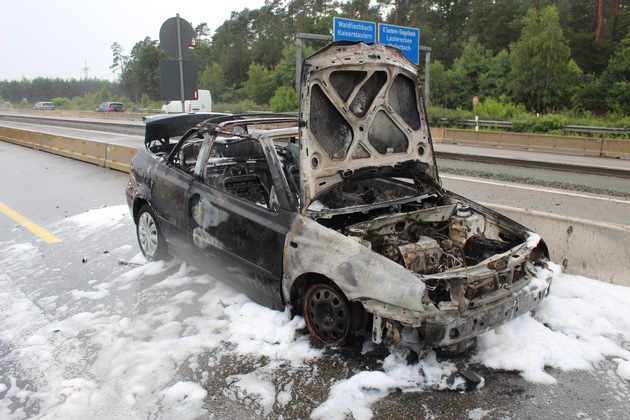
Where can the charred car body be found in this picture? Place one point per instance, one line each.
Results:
(338, 212)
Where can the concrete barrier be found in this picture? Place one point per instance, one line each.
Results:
(119, 157)
(584, 247)
(21, 137)
(85, 150)
(107, 155)
(580, 146)
(81, 149)
(616, 148)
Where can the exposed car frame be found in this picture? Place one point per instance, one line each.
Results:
(338, 212)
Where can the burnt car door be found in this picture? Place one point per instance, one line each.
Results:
(239, 220)
(171, 189)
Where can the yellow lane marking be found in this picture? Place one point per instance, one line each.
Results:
(33, 227)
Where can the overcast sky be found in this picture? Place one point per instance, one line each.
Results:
(56, 38)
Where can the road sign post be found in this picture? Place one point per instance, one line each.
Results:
(177, 38)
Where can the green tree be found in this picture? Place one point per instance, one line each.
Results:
(42, 89)
(202, 54)
(495, 23)
(284, 73)
(493, 82)
(142, 74)
(261, 85)
(360, 10)
(59, 103)
(309, 16)
(284, 100)
(202, 32)
(120, 59)
(213, 79)
(231, 44)
(103, 95)
(272, 33)
(540, 62)
(615, 81)
(439, 84)
(444, 27)
(145, 101)
(466, 74)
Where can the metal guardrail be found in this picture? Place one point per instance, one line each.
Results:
(569, 128)
(587, 129)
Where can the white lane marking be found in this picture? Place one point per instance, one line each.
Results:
(536, 189)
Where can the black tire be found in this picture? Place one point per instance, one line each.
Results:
(150, 238)
(329, 316)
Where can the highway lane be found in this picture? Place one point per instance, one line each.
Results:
(47, 188)
(530, 196)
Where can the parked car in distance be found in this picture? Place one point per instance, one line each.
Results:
(338, 212)
(47, 106)
(111, 107)
(203, 103)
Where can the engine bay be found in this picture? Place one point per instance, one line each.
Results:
(432, 240)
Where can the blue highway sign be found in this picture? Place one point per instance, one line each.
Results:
(405, 39)
(353, 30)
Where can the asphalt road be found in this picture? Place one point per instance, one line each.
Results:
(47, 188)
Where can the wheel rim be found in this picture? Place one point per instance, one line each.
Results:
(327, 314)
(147, 234)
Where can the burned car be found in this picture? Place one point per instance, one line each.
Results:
(338, 211)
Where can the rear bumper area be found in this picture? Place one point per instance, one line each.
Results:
(449, 329)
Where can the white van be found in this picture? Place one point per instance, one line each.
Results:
(203, 103)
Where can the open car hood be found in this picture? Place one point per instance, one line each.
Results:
(362, 112)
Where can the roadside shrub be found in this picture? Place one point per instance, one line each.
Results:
(103, 95)
(491, 109)
(440, 117)
(146, 103)
(233, 95)
(618, 99)
(61, 103)
(284, 100)
(623, 122)
(241, 107)
(528, 123)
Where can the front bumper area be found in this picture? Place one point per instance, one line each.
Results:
(448, 329)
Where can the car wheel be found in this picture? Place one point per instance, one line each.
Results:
(328, 314)
(150, 238)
